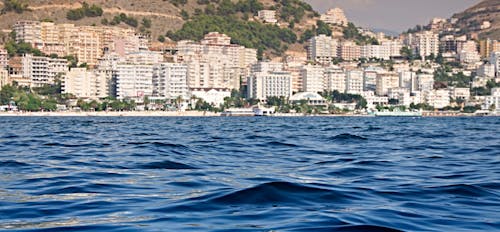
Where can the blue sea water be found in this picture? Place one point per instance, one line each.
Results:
(249, 174)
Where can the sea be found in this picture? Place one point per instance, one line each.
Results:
(249, 174)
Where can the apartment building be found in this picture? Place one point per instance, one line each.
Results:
(354, 82)
(386, 81)
(322, 49)
(348, 50)
(335, 16)
(84, 83)
(336, 79)
(42, 70)
(270, 84)
(426, 43)
(313, 78)
(133, 80)
(170, 81)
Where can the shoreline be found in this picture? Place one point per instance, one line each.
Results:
(197, 114)
(113, 114)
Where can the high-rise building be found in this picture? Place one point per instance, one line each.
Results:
(313, 78)
(348, 50)
(215, 63)
(486, 70)
(85, 83)
(262, 85)
(28, 32)
(485, 48)
(354, 82)
(170, 81)
(408, 80)
(4, 58)
(495, 61)
(322, 49)
(426, 43)
(386, 81)
(336, 79)
(133, 80)
(370, 77)
(43, 70)
(4, 78)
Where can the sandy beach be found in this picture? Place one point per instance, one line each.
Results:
(114, 114)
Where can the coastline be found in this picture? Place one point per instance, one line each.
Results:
(200, 114)
(113, 114)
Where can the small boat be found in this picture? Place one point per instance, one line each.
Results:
(235, 112)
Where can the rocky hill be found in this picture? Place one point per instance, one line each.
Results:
(179, 18)
(473, 18)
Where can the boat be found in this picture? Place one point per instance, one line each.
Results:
(238, 112)
(398, 113)
(263, 111)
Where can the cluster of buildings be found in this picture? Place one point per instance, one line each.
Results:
(119, 63)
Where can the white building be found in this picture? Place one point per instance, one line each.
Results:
(336, 79)
(400, 94)
(386, 81)
(495, 60)
(215, 63)
(85, 83)
(354, 82)
(267, 16)
(212, 96)
(266, 66)
(270, 84)
(459, 93)
(468, 57)
(313, 78)
(4, 58)
(437, 98)
(373, 100)
(408, 79)
(43, 70)
(4, 78)
(493, 101)
(370, 77)
(133, 80)
(425, 82)
(384, 51)
(170, 81)
(28, 32)
(426, 43)
(335, 16)
(323, 49)
(486, 70)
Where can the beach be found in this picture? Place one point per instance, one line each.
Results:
(114, 114)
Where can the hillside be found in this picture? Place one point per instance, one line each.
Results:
(163, 14)
(295, 18)
(471, 19)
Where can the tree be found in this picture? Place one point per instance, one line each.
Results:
(407, 53)
(184, 15)
(323, 28)
(146, 23)
(18, 6)
(161, 38)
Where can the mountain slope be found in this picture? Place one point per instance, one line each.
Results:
(471, 19)
(295, 17)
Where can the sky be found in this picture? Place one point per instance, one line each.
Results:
(393, 15)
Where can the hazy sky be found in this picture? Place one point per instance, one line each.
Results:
(393, 15)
